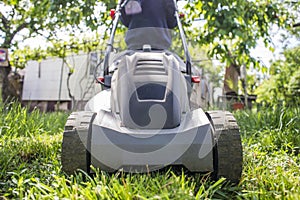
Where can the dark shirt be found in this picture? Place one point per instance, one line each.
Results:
(151, 26)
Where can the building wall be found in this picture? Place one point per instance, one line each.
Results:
(47, 80)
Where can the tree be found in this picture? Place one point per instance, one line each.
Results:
(38, 16)
(284, 84)
(233, 27)
(43, 17)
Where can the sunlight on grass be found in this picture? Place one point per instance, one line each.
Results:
(30, 147)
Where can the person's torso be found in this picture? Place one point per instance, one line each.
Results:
(153, 15)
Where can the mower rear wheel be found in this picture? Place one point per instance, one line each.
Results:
(228, 159)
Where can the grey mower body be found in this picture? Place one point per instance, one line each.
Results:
(147, 120)
(148, 117)
(144, 122)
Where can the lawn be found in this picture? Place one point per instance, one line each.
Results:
(30, 166)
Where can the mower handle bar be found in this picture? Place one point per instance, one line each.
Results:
(109, 48)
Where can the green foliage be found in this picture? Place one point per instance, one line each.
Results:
(30, 146)
(296, 26)
(46, 18)
(294, 85)
(233, 27)
(284, 84)
(57, 48)
(20, 57)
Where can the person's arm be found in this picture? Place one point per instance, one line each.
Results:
(170, 13)
(125, 19)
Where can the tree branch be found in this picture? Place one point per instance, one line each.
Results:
(19, 28)
(2, 29)
(11, 36)
(4, 21)
(296, 25)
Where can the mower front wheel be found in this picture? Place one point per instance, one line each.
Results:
(76, 142)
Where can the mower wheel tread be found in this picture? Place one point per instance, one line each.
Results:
(74, 145)
(229, 146)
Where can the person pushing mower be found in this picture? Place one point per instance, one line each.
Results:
(148, 22)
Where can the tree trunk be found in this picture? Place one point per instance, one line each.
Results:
(231, 80)
(6, 96)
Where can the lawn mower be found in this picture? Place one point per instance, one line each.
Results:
(147, 117)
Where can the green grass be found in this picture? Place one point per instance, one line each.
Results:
(271, 140)
(30, 168)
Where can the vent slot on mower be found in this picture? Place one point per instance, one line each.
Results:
(150, 67)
